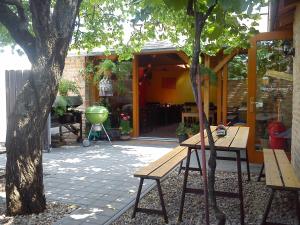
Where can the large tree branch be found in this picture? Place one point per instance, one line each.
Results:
(40, 11)
(17, 29)
(63, 24)
(190, 9)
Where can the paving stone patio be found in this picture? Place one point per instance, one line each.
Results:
(99, 179)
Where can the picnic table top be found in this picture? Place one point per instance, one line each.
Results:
(235, 139)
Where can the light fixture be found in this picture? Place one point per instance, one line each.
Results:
(287, 48)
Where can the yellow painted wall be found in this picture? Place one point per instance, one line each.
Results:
(183, 92)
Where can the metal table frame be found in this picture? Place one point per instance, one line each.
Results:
(238, 160)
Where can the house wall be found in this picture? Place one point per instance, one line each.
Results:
(180, 93)
(73, 65)
(296, 95)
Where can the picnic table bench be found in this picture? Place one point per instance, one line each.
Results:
(156, 171)
(280, 176)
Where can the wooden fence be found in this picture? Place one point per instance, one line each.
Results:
(15, 81)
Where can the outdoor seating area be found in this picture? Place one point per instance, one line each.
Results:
(103, 193)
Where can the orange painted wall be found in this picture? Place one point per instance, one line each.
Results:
(183, 92)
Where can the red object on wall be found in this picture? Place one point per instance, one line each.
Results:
(168, 82)
(274, 129)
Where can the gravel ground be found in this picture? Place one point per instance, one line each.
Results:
(255, 199)
(53, 212)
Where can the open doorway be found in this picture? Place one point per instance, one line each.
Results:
(164, 89)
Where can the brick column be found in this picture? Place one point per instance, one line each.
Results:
(296, 95)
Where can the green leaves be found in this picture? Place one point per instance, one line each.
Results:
(177, 5)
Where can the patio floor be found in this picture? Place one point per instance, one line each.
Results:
(99, 179)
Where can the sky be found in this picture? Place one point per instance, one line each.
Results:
(13, 61)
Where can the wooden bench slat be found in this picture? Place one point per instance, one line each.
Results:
(241, 138)
(225, 141)
(289, 177)
(273, 178)
(168, 166)
(144, 171)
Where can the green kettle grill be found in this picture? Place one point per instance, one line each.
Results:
(96, 115)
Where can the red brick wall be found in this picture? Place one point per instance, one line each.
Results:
(296, 95)
(73, 65)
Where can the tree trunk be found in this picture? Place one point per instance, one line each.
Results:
(24, 170)
(194, 72)
(212, 163)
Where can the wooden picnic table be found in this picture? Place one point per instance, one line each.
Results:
(235, 141)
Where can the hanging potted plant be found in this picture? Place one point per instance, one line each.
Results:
(106, 69)
(125, 127)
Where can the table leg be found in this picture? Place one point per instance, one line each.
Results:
(297, 206)
(180, 167)
(186, 173)
(162, 201)
(261, 172)
(198, 161)
(138, 195)
(248, 167)
(240, 185)
(268, 207)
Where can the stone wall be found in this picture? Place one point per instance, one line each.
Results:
(73, 65)
(296, 95)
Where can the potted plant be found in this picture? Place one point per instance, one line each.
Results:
(193, 129)
(107, 67)
(181, 132)
(60, 110)
(65, 88)
(64, 102)
(125, 127)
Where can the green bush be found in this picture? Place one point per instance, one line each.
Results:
(66, 86)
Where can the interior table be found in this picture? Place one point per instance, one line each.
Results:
(235, 141)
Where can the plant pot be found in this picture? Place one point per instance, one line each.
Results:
(114, 133)
(182, 137)
(125, 137)
(73, 101)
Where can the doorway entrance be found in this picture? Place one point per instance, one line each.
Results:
(270, 88)
(164, 87)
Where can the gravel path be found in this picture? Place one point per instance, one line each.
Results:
(255, 199)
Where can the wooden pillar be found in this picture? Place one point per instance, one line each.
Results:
(224, 94)
(219, 96)
(206, 88)
(135, 96)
